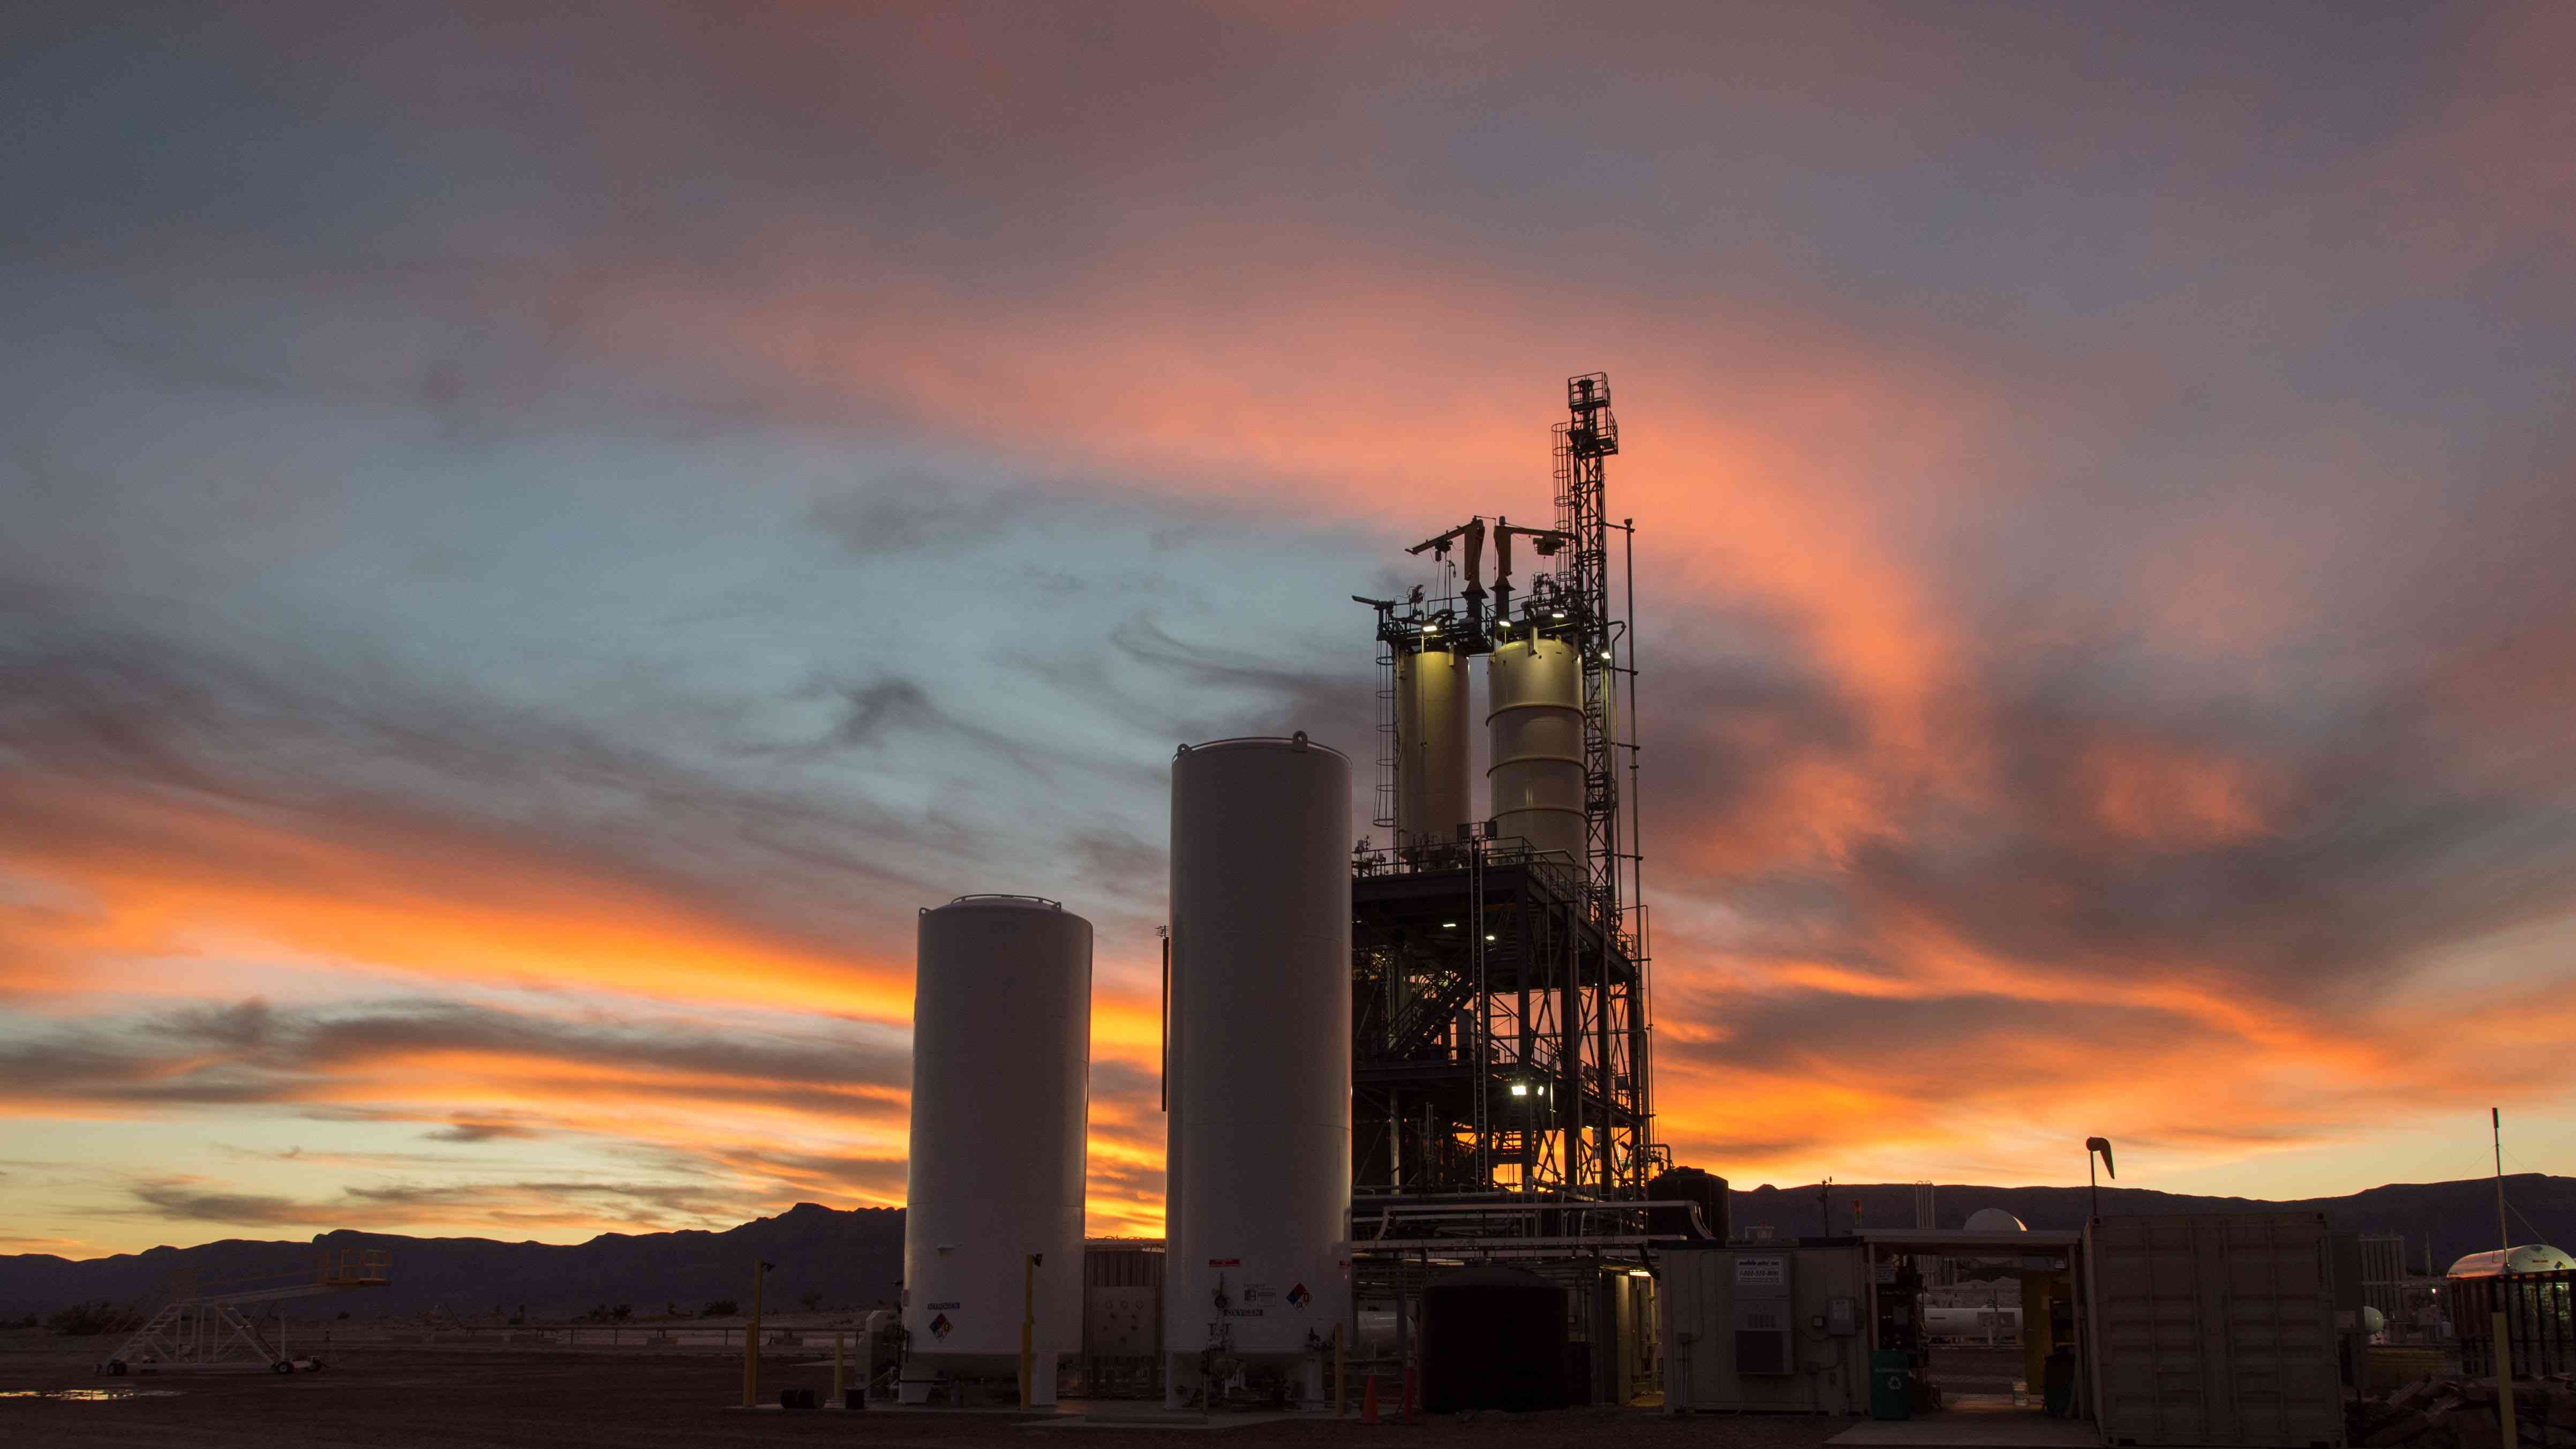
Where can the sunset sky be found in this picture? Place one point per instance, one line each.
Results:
(537, 537)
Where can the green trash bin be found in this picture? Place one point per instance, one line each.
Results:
(1891, 1384)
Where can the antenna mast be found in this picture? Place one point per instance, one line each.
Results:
(2495, 1121)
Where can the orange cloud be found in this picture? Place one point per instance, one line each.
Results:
(165, 876)
(2159, 795)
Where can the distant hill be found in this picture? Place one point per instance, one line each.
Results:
(2440, 1220)
(855, 1258)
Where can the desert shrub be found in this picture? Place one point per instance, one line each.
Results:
(83, 1319)
(720, 1308)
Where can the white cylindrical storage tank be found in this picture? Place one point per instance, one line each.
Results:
(1430, 747)
(1260, 1151)
(1534, 720)
(1001, 1044)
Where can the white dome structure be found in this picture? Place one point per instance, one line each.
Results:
(2529, 1258)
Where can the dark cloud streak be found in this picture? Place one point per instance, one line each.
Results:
(253, 1053)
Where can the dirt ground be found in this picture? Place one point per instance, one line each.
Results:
(526, 1399)
(1966, 1369)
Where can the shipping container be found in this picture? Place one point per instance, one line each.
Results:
(2213, 1329)
(1777, 1328)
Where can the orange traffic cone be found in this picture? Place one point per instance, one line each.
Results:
(1368, 1401)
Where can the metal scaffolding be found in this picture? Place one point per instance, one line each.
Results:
(1501, 1006)
(204, 1325)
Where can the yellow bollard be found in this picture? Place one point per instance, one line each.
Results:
(2504, 1375)
(1028, 1324)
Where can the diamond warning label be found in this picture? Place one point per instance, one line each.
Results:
(1299, 1296)
(939, 1326)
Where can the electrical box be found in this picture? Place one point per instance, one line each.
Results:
(1124, 1322)
(1764, 1339)
(1763, 1328)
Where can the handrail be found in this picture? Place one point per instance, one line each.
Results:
(1299, 740)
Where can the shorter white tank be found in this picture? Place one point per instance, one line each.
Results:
(1001, 1040)
(1534, 718)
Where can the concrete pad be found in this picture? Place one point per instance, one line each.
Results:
(1973, 1421)
(1182, 1419)
(925, 1411)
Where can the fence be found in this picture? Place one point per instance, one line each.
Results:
(664, 1337)
(2540, 1321)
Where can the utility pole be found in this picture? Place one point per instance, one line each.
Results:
(2500, 1328)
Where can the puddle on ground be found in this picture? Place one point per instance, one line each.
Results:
(90, 1395)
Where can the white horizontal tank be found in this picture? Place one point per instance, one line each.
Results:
(1001, 1038)
(1255, 1271)
(1534, 720)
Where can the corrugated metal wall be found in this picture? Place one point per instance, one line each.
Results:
(2213, 1329)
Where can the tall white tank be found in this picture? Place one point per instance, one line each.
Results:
(1534, 720)
(1430, 746)
(1259, 1190)
(1001, 1042)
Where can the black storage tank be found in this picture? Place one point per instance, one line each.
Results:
(1705, 1190)
(1493, 1338)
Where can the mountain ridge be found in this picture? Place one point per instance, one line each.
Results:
(853, 1257)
